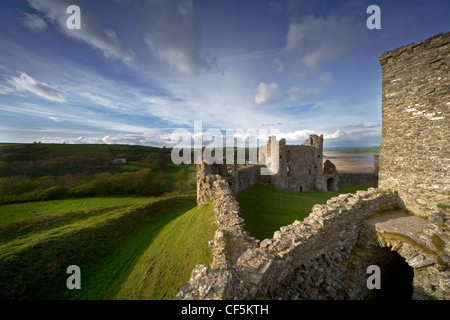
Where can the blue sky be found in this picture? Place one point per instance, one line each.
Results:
(138, 70)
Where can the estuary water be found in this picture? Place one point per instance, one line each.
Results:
(350, 162)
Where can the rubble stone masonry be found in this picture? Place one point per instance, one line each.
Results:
(415, 147)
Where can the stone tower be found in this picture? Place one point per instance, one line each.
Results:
(297, 168)
(415, 147)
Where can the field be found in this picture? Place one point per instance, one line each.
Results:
(266, 208)
(36, 172)
(113, 246)
(30, 210)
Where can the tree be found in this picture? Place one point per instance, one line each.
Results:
(182, 177)
(157, 161)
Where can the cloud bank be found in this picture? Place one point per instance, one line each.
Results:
(174, 36)
(27, 83)
(90, 33)
(266, 93)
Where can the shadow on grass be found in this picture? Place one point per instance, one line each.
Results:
(39, 271)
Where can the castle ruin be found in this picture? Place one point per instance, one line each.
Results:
(297, 168)
(402, 227)
(300, 167)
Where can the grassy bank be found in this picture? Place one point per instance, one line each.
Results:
(33, 210)
(266, 208)
(168, 261)
(105, 243)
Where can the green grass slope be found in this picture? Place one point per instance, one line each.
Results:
(266, 208)
(105, 242)
(33, 210)
(168, 261)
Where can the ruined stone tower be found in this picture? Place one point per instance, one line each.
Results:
(415, 147)
(298, 168)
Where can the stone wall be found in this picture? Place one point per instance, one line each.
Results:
(218, 280)
(310, 259)
(415, 152)
(248, 176)
(358, 179)
(323, 257)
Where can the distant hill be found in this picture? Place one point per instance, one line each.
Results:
(66, 149)
(37, 160)
(34, 172)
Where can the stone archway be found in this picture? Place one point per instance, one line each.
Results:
(399, 233)
(396, 276)
(332, 185)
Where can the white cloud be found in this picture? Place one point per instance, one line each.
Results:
(173, 37)
(6, 90)
(333, 136)
(364, 125)
(266, 93)
(54, 119)
(33, 22)
(298, 95)
(98, 100)
(26, 83)
(131, 139)
(295, 136)
(90, 33)
(320, 40)
(280, 65)
(326, 78)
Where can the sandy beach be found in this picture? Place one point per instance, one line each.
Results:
(350, 162)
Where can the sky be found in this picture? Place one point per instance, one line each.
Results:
(138, 70)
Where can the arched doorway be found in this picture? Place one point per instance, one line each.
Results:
(331, 185)
(396, 276)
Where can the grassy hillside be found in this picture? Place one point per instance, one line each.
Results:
(168, 261)
(266, 208)
(32, 210)
(106, 242)
(36, 172)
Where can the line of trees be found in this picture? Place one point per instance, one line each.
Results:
(143, 182)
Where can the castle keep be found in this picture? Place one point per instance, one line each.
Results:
(402, 227)
(298, 168)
